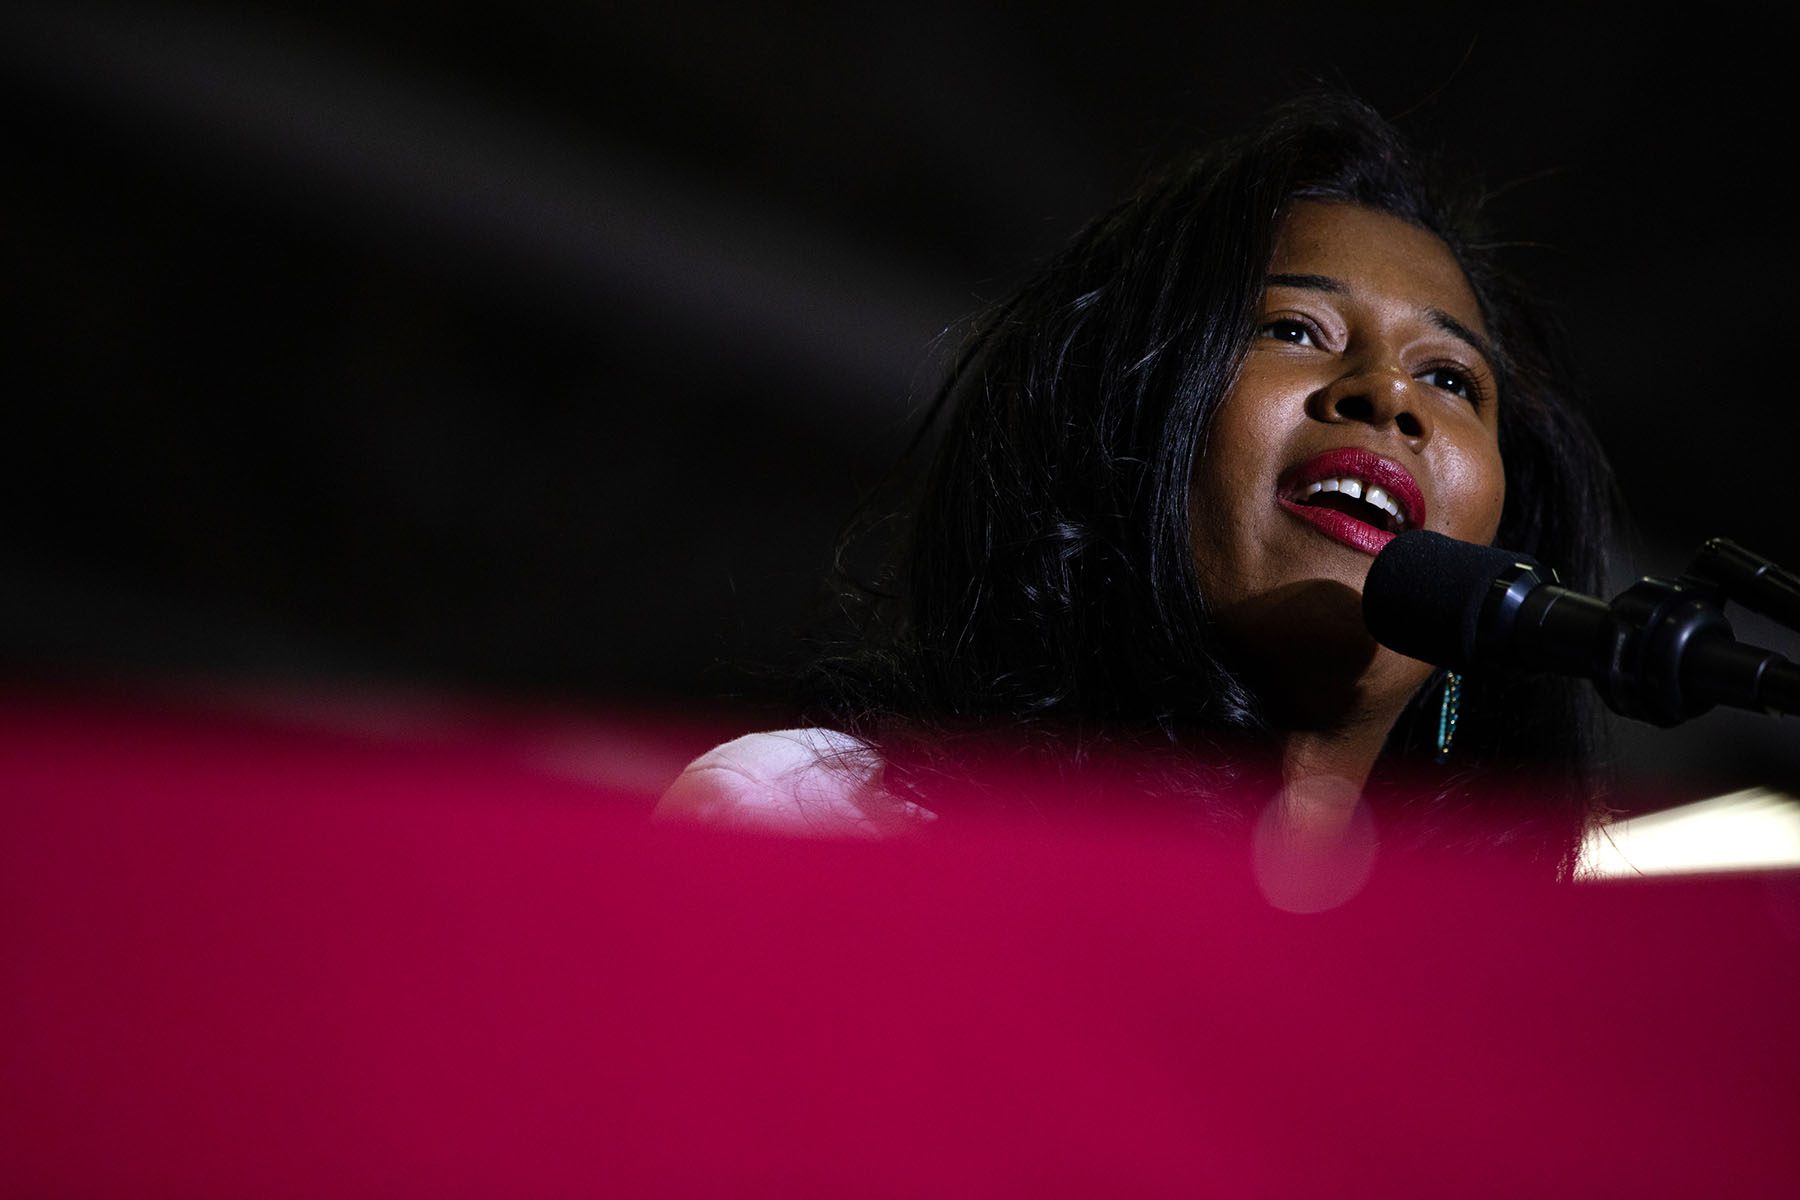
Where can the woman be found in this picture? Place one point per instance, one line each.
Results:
(1138, 555)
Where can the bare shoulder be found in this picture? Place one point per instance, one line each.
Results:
(807, 782)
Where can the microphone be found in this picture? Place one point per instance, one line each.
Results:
(1661, 652)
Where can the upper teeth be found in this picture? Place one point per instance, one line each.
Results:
(1356, 489)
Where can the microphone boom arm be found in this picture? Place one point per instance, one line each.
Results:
(1662, 651)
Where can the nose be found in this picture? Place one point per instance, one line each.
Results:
(1380, 396)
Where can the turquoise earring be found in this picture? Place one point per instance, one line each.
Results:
(1447, 713)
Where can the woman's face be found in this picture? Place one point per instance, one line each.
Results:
(1368, 379)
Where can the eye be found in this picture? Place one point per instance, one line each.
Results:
(1454, 380)
(1289, 330)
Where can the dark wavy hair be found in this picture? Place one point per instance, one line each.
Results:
(1043, 587)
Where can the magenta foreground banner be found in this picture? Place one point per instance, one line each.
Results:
(245, 960)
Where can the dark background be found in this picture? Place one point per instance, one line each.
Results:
(541, 351)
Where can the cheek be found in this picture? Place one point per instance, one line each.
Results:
(1224, 481)
(1246, 435)
(1499, 498)
(1479, 495)
(1208, 524)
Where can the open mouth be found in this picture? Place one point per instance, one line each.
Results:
(1355, 498)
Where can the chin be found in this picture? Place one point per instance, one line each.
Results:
(1315, 621)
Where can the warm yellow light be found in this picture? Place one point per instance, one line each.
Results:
(1753, 830)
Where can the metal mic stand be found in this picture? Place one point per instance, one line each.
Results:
(1671, 652)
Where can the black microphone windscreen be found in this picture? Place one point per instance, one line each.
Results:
(1425, 592)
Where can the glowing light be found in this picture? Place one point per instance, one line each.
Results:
(1752, 830)
(1314, 847)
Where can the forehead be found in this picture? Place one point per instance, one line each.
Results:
(1380, 257)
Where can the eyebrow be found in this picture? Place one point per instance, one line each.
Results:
(1440, 318)
(1461, 332)
(1316, 283)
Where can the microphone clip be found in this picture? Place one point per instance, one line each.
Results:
(1671, 654)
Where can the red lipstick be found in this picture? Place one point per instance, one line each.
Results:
(1364, 465)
